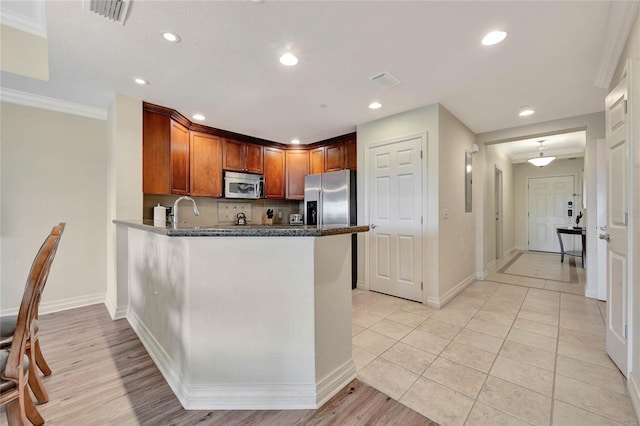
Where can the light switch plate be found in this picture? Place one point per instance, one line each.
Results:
(227, 212)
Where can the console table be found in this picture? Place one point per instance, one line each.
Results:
(573, 231)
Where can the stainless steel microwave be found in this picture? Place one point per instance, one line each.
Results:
(243, 185)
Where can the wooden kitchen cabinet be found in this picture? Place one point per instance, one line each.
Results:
(205, 165)
(243, 157)
(274, 176)
(179, 159)
(350, 155)
(334, 157)
(316, 160)
(297, 167)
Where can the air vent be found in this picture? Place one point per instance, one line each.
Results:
(114, 10)
(384, 80)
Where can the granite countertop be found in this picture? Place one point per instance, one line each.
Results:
(243, 231)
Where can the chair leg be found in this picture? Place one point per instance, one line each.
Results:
(35, 383)
(16, 413)
(30, 409)
(42, 364)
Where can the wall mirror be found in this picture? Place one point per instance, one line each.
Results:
(468, 171)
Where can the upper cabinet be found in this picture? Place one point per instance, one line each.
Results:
(297, 167)
(334, 157)
(206, 165)
(350, 154)
(316, 160)
(156, 153)
(274, 177)
(179, 159)
(243, 157)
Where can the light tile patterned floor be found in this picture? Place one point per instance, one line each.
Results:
(497, 354)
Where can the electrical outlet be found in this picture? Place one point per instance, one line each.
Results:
(228, 212)
(445, 213)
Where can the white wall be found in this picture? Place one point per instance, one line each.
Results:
(457, 233)
(53, 170)
(521, 174)
(420, 121)
(632, 53)
(494, 158)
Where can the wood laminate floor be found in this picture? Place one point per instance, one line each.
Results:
(102, 375)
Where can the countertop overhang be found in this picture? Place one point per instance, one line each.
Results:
(244, 230)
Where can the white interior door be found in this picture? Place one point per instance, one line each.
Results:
(394, 180)
(601, 219)
(498, 209)
(549, 199)
(617, 224)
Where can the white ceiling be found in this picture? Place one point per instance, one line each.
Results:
(227, 68)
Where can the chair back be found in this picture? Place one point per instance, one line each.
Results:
(28, 307)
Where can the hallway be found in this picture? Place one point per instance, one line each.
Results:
(513, 352)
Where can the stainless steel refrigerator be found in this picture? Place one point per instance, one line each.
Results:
(330, 200)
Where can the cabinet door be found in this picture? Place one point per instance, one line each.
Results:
(206, 165)
(254, 159)
(274, 166)
(297, 167)
(350, 155)
(179, 159)
(233, 156)
(316, 161)
(156, 153)
(334, 158)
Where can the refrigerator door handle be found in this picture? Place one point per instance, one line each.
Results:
(320, 208)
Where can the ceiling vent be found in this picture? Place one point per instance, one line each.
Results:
(114, 10)
(384, 80)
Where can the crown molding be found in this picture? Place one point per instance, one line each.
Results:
(622, 16)
(53, 104)
(34, 25)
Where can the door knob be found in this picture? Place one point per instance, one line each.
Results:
(605, 237)
(372, 226)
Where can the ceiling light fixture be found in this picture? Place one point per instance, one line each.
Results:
(494, 37)
(541, 161)
(171, 37)
(198, 117)
(526, 111)
(141, 81)
(288, 59)
(295, 141)
(375, 105)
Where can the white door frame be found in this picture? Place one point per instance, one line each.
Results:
(498, 209)
(430, 211)
(601, 219)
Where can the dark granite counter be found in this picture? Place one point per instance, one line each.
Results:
(244, 231)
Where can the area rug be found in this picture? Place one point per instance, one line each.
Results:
(544, 266)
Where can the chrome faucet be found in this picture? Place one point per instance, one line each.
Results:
(175, 210)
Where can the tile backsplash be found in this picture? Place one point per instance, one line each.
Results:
(220, 211)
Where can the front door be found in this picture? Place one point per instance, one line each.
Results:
(549, 199)
(616, 232)
(394, 178)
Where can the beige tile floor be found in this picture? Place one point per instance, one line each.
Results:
(497, 354)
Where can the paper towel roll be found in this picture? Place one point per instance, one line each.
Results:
(160, 216)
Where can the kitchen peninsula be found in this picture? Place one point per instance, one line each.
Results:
(254, 317)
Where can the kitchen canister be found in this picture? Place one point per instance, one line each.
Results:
(160, 216)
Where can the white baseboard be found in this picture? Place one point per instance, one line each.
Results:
(490, 264)
(360, 284)
(116, 312)
(508, 252)
(334, 382)
(518, 248)
(62, 304)
(482, 275)
(242, 397)
(440, 302)
(634, 395)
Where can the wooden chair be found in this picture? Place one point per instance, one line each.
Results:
(15, 366)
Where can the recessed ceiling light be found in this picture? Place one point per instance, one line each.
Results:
(525, 111)
(198, 117)
(295, 141)
(141, 81)
(171, 37)
(494, 37)
(375, 105)
(288, 59)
